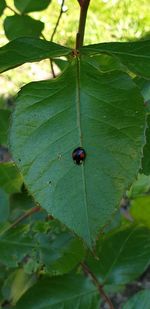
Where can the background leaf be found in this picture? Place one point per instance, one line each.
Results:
(17, 283)
(134, 55)
(123, 255)
(11, 179)
(19, 26)
(15, 244)
(140, 210)
(31, 5)
(140, 300)
(24, 50)
(4, 206)
(2, 6)
(89, 109)
(62, 254)
(4, 121)
(61, 292)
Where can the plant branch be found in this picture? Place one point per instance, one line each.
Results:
(53, 33)
(102, 293)
(58, 20)
(84, 4)
(10, 8)
(27, 214)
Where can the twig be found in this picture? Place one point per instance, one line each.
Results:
(53, 33)
(27, 214)
(58, 20)
(10, 8)
(98, 285)
(84, 4)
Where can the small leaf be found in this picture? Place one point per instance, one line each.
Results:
(18, 26)
(62, 254)
(140, 300)
(25, 6)
(17, 283)
(83, 107)
(61, 292)
(123, 255)
(15, 244)
(4, 121)
(4, 206)
(11, 179)
(134, 55)
(2, 6)
(140, 210)
(24, 50)
(139, 187)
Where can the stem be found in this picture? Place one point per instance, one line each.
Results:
(27, 214)
(58, 20)
(98, 285)
(53, 33)
(10, 8)
(84, 4)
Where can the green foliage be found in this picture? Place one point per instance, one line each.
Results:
(4, 121)
(141, 300)
(31, 5)
(24, 50)
(61, 292)
(18, 26)
(99, 101)
(2, 6)
(11, 179)
(66, 121)
(119, 255)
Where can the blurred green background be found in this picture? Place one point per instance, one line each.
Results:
(108, 20)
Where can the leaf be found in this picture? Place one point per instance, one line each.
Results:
(4, 206)
(139, 187)
(4, 121)
(11, 179)
(134, 55)
(24, 50)
(17, 283)
(140, 300)
(123, 255)
(18, 26)
(31, 5)
(146, 151)
(65, 292)
(2, 6)
(15, 244)
(62, 254)
(80, 108)
(140, 210)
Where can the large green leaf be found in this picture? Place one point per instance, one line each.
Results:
(25, 6)
(24, 50)
(10, 178)
(104, 113)
(123, 255)
(63, 292)
(140, 300)
(134, 55)
(2, 6)
(18, 26)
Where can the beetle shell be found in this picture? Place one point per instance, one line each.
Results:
(78, 155)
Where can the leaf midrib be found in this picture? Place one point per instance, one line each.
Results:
(78, 111)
